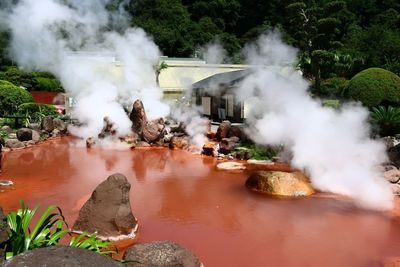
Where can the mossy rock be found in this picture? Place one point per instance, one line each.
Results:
(374, 87)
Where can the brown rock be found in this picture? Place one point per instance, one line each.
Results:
(90, 142)
(280, 183)
(14, 143)
(160, 254)
(223, 130)
(108, 211)
(35, 136)
(65, 256)
(153, 130)
(392, 176)
(60, 125)
(179, 142)
(142, 144)
(108, 128)
(7, 129)
(210, 149)
(47, 124)
(138, 117)
(235, 131)
(24, 134)
(228, 144)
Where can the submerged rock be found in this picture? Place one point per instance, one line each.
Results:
(160, 254)
(65, 256)
(231, 165)
(6, 183)
(24, 134)
(108, 211)
(278, 183)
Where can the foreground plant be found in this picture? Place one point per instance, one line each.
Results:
(388, 119)
(89, 241)
(47, 231)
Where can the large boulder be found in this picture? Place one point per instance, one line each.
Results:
(160, 254)
(153, 130)
(60, 125)
(14, 143)
(65, 256)
(3, 234)
(108, 211)
(278, 183)
(223, 130)
(47, 124)
(24, 134)
(138, 117)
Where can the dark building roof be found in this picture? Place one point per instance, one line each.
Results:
(226, 79)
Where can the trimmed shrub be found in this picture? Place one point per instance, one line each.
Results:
(11, 97)
(334, 87)
(48, 85)
(375, 87)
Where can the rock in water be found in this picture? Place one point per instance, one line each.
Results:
(108, 128)
(108, 211)
(210, 149)
(3, 234)
(60, 125)
(14, 143)
(90, 142)
(138, 117)
(47, 124)
(161, 254)
(152, 131)
(228, 144)
(61, 256)
(179, 142)
(24, 134)
(278, 183)
(223, 130)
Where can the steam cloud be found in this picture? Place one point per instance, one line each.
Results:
(46, 34)
(333, 146)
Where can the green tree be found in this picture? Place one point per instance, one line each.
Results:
(316, 30)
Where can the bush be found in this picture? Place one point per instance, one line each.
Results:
(374, 87)
(334, 87)
(48, 85)
(11, 97)
(35, 112)
(387, 118)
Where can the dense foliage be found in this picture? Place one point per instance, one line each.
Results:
(387, 118)
(375, 87)
(31, 80)
(36, 112)
(11, 97)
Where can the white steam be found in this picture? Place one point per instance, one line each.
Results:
(47, 34)
(333, 146)
(213, 53)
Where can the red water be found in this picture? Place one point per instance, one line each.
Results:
(179, 196)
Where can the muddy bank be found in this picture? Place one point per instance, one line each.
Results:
(182, 197)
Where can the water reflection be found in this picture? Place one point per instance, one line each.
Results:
(182, 197)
